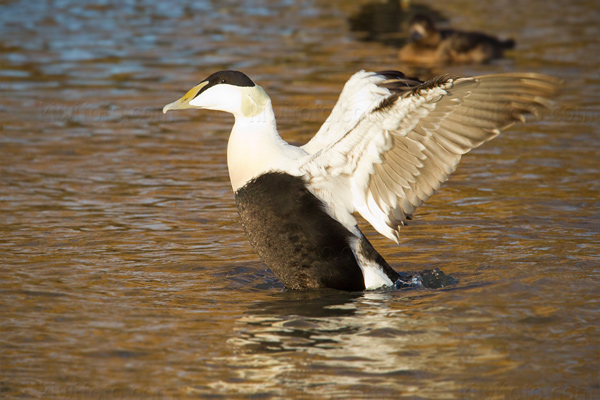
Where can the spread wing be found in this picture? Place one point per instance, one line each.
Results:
(399, 151)
(363, 92)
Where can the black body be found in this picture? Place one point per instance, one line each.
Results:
(303, 245)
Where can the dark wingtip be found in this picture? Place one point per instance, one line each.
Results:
(432, 83)
(398, 84)
(392, 74)
(397, 81)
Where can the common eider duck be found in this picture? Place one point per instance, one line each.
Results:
(430, 46)
(388, 144)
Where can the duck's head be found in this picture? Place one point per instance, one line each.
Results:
(229, 91)
(421, 29)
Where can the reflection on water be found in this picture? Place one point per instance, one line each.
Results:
(348, 336)
(125, 273)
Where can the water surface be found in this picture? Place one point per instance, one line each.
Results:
(125, 272)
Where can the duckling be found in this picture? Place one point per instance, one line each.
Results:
(431, 46)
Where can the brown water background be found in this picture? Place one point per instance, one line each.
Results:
(124, 272)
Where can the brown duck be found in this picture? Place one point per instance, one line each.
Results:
(431, 46)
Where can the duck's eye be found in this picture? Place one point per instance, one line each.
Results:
(222, 80)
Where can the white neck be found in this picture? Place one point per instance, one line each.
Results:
(254, 147)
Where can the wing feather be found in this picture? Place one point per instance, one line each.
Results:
(411, 136)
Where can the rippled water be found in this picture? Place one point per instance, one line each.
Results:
(125, 273)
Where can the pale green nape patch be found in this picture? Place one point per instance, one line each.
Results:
(254, 101)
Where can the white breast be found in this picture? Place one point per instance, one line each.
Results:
(255, 148)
